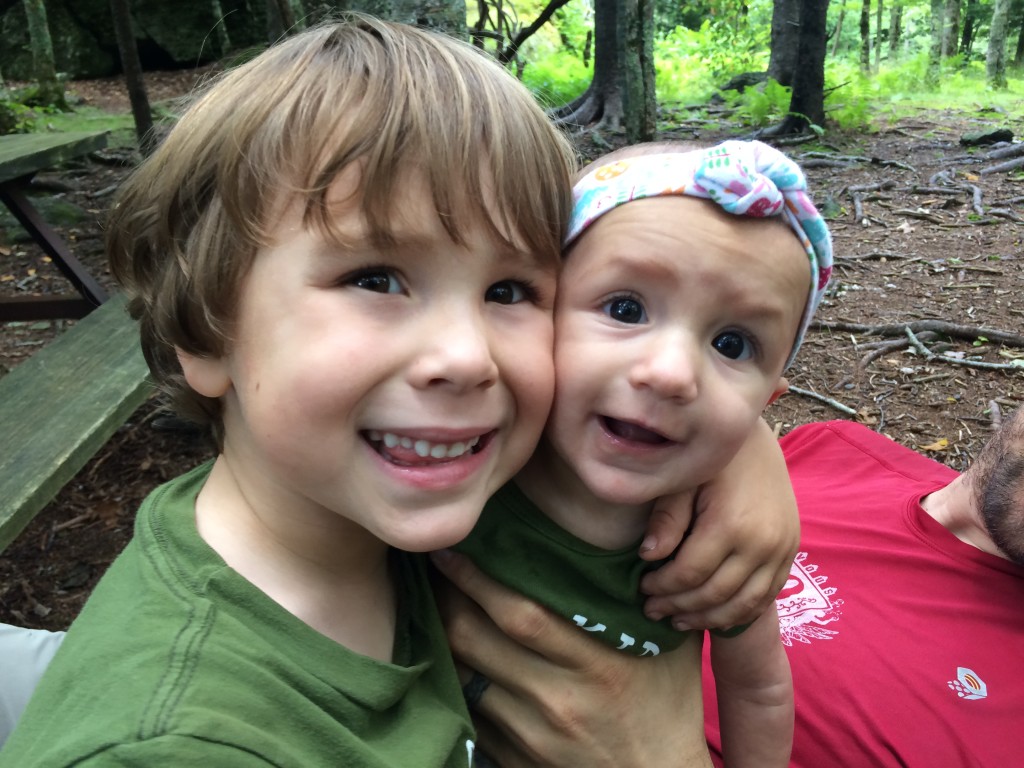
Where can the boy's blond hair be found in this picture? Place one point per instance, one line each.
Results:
(395, 99)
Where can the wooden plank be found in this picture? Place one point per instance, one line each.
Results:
(22, 154)
(61, 405)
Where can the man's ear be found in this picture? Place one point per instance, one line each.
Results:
(208, 376)
(780, 389)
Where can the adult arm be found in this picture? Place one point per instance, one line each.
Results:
(737, 556)
(560, 698)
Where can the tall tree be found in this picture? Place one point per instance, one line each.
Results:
(879, 13)
(935, 46)
(865, 36)
(950, 27)
(640, 102)
(807, 104)
(895, 29)
(995, 60)
(970, 23)
(49, 89)
(615, 67)
(784, 38)
(129, 51)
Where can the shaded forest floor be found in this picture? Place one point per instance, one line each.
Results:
(925, 238)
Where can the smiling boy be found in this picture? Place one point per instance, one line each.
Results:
(689, 280)
(326, 273)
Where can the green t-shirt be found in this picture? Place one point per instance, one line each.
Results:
(597, 589)
(176, 660)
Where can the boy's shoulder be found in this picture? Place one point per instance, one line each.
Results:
(172, 634)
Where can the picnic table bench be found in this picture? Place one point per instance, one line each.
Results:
(58, 407)
(21, 157)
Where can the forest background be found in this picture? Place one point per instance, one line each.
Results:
(907, 122)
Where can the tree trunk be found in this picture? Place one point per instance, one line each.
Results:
(1018, 57)
(50, 91)
(895, 30)
(640, 101)
(604, 101)
(784, 40)
(128, 49)
(950, 27)
(995, 61)
(220, 28)
(935, 48)
(839, 28)
(865, 36)
(970, 21)
(878, 36)
(807, 105)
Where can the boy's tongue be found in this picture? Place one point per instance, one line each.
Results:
(634, 432)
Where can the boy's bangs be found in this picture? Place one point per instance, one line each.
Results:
(486, 151)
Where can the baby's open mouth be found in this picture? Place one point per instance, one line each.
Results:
(402, 449)
(629, 431)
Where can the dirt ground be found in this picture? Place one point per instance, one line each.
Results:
(925, 238)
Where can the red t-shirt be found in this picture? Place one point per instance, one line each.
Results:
(906, 644)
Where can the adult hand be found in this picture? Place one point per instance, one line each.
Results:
(737, 556)
(560, 698)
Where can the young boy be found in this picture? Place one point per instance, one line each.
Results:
(683, 297)
(343, 259)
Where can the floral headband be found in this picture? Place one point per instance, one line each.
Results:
(746, 178)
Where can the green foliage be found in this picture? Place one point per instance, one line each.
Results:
(558, 78)
(761, 106)
(19, 110)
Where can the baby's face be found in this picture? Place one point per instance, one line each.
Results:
(673, 322)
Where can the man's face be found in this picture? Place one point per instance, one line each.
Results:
(998, 482)
(673, 322)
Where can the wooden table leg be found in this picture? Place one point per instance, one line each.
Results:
(48, 307)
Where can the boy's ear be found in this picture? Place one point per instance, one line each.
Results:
(207, 376)
(780, 389)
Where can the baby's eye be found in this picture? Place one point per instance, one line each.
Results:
(376, 280)
(734, 345)
(626, 310)
(510, 292)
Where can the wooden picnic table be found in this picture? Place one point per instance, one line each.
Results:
(21, 157)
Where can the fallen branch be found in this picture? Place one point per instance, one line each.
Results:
(1014, 150)
(943, 327)
(919, 214)
(1003, 167)
(929, 355)
(823, 399)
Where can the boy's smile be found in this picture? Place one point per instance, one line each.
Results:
(381, 392)
(673, 322)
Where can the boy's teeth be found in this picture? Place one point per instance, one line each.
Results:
(424, 448)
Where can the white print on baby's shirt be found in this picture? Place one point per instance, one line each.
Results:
(625, 641)
(806, 605)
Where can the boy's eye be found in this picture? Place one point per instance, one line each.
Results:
(510, 292)
(626, 310)
(734, 345)
(377, 280)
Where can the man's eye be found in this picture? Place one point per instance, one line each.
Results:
(378, 281)
(510, 292)
(626, 310)
(734, 345)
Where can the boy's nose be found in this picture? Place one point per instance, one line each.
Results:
(670, 369)
(458, 355)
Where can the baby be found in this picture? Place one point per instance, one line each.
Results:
(683, 297)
